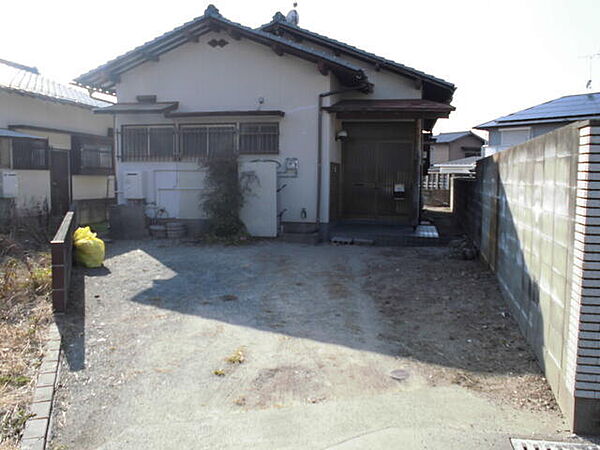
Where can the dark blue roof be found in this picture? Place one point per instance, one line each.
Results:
(564, 109)
(444, 138)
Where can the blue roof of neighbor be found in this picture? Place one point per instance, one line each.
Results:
(4, 133)
(27, 81)
(444, 138)
(563, 109)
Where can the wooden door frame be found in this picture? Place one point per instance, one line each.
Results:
(412, 218)
(69, 176)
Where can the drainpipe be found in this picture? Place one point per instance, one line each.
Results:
(360, 87)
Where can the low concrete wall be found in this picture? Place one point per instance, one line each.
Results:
(93, 210)
(521, 212)
(436, 197)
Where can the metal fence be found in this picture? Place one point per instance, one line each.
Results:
(436, 182)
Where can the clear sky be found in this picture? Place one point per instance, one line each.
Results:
(503, 55)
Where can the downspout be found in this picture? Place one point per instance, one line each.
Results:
(115, 150)
(360, 87)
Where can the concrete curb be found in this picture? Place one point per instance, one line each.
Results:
(37, 428)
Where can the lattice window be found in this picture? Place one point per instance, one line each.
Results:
(202, 141)
(257, 138)
(155, 143)
(30, 154)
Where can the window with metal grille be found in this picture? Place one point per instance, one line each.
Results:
(193, 142)
(206, 141)
(155, 143)
(30, 154)
(96, 157)
(259, 138)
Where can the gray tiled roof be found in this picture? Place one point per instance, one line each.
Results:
(563, 109)
(23, 80)
(177, 36)
(279, 20)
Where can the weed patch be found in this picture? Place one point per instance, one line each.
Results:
(25, 312)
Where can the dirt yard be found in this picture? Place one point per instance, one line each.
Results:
(273, 345)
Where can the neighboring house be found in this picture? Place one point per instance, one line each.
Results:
(463, 166)
(521, 126)
(53, 149)
(455, 145)
(332, 132)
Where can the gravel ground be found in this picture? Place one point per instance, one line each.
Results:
(274, 345)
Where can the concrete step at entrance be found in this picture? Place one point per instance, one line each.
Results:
(385, 235)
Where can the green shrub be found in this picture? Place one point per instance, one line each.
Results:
(223, 197)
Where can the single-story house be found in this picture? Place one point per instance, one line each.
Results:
(53, 148)
(331, 131)
(463, 166)
(455, 145)
(521, 126)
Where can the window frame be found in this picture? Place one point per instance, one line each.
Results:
(85, 143)
(207, 127)
(146, 154)
(17, 163)
(259, 134)
(179, 129)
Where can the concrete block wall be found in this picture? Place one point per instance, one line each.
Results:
(531, 213)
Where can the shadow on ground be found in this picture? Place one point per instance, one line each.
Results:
(411, 302)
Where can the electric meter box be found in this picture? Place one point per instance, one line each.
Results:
(10, 184)
(133, 187)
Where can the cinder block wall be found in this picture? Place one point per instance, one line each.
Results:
(530, 213)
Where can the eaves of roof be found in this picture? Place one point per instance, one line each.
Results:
(279, 22)
(4, 133)
(52, 98)
(105, 77)
(494, 124)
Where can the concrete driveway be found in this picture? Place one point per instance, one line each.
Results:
(274, 345)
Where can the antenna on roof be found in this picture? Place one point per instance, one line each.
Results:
(590, 58)
(293, 17)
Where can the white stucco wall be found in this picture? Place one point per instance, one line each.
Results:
(34, 185)
(16, 109)
(259, 212)
(34, 189)
(203, 78)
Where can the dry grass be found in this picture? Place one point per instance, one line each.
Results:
(25, 311)
(236, 357)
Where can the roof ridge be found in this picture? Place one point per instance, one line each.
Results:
(212, 13)
(31, 69)
(277, 20)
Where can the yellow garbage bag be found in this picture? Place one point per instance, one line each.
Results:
(89, 249)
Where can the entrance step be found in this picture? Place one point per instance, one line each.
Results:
(385, 235)
(301, 238)
(342, 240)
